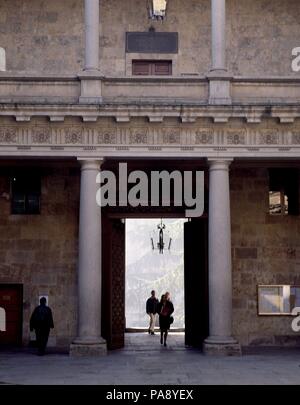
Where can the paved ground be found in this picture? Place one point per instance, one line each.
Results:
(144, 361)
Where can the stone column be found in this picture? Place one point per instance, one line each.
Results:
(89, 340)
(90, 77)
(91, 17)
(218, 35)
(219, 80)
(220, 340)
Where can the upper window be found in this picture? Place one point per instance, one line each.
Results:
(26, 194)
(152, 67)
(283, 192)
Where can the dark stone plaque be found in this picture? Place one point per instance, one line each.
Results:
(152, 42)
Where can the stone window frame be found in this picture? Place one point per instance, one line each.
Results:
(130, 57)
(26, 191)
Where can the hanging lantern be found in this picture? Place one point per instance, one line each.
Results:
(157, 9)
(162, 240)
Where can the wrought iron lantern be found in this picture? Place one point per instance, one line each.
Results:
(157, 9)
(162, 241)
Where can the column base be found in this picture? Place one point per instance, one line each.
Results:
(83, 349)
(222, 347)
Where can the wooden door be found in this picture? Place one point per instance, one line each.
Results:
(11, 297)
(113, 291)
(196, 282)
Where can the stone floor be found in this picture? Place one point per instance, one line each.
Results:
(145, 361)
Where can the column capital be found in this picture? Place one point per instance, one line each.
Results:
(219, 163)
(90, 163)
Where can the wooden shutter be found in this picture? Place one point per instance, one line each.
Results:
(141, 68)
(151, 67)
(163, 68)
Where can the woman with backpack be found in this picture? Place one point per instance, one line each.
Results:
(165, 310)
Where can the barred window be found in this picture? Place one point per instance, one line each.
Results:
(26, 194)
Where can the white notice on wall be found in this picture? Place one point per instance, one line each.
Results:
(2, 320)
(270, 300)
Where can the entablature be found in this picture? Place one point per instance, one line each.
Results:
(139, 137)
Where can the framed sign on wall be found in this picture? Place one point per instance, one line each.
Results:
(278, 299)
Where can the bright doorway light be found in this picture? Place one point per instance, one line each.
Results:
(148, 270)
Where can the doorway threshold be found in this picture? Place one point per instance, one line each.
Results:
(143, 330)
(143, 342)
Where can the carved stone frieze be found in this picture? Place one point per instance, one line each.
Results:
(41, 135)
(204, 137)
(74, 135)
(236, 137)
(92, 137)
(107, 137)
(8, 135)
(138, 136)
(171, 136)
(269, 137)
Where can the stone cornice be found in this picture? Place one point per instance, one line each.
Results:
(154, 113)
(24, 77)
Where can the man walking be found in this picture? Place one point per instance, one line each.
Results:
(151, 309)
(41, 321)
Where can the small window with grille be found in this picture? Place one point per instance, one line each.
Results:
(25, 194)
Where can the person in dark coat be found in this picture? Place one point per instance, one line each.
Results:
(165, 310)
(151, 309)
(41, 321)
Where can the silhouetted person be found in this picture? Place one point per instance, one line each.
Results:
(151, 309)
(41, 321)
(165, 310)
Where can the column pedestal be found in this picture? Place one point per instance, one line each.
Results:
(90, 87)
(225, 347)
(219, 88)
(88, 350)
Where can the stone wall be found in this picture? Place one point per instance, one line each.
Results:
(191, 19)
(261, 36)
(48, 36)
(266, 250)
(40, 251)
(42, 36)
